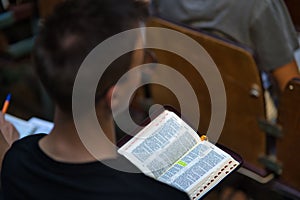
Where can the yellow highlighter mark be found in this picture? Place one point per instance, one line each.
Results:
(182, 163)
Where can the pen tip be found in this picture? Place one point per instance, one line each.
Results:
(8, 97)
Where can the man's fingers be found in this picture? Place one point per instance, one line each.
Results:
(2, 120)
(9, 132)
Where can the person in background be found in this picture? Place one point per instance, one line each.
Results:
(58, 165)
(262, 25)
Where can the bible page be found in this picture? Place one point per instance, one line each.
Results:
(160, 144)
(199, 169)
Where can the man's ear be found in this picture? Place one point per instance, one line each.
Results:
(111, 97)
(116, 99)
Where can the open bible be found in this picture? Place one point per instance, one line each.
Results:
(169, 150)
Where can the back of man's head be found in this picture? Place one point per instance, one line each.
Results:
(71, 32)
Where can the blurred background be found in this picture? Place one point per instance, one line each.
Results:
(19, 23)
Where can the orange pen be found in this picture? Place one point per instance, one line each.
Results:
(6, 104)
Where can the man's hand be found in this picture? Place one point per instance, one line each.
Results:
(9, 132)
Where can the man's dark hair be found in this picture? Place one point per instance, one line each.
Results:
(71, 32)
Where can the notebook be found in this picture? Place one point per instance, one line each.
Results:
(32, 126)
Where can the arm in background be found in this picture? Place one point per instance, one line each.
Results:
(285, 74)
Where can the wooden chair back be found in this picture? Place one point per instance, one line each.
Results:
(288, 147)
(245, 99)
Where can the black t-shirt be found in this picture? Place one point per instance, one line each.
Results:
(28, 173)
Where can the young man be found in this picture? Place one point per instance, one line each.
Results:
(58, 165)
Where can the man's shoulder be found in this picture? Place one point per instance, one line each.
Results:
(28, 144)
(28, 141)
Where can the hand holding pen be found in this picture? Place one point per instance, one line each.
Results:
(8, 131)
